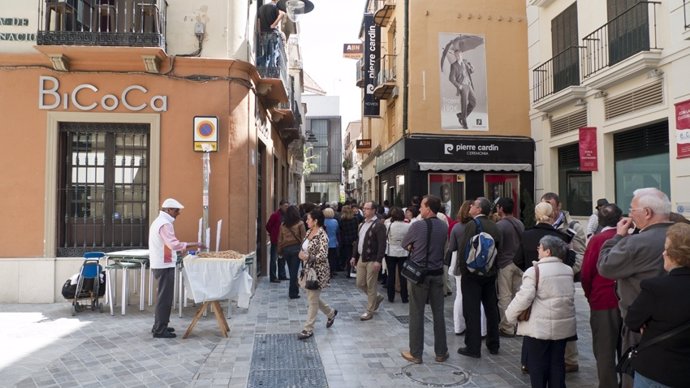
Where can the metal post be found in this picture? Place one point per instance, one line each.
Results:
(206, 161)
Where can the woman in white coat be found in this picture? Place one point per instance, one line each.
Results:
(552, 321)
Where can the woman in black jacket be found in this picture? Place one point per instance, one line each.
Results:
(663, 306)
(543, 213)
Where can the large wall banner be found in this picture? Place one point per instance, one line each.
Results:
(464, 102)
(372, 36)
(683, 129)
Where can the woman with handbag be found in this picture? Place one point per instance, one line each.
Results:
(662, 313)
(315, 272)
(290, 239)
(549, 292)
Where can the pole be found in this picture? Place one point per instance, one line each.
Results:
(206, 165)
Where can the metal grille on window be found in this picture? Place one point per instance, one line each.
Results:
(103, 187)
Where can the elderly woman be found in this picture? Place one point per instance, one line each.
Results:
(548, 287)
(314, 254)
(661, 307)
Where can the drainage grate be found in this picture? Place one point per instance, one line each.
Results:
(436, 375)
(298, 378)
(405, 319)
(282, 360)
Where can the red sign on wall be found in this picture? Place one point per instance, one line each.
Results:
(588, 149)
(683, 129)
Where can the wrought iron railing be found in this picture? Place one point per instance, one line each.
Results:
(271, 58)
(627, 34)
(102, 23)
(359, 69)
(557, 73)
(387, 72)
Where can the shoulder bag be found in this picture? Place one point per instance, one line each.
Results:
(412, 271)
(625, 362)
(307, 276)
(524, 316)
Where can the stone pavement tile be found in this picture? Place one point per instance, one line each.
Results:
(119, 350)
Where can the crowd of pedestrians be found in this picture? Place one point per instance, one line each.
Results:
(633, 270)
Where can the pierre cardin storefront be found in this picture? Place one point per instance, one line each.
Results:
(458, 168)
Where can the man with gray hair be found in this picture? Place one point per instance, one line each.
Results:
(630, 257)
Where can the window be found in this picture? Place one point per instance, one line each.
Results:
(103, 187)
(566, 58)
(628, 31)
(450, 188)
(641, 160)
(503, 186)
(574, 186)
(320, 149)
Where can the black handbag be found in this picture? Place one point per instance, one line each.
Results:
(412, 271)
(625, 362)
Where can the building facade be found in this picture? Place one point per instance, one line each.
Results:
(117, 102)
(352, 161)
(610, 99)
(324, 148)
(445, 101)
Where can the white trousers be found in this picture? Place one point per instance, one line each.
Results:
(458, 318)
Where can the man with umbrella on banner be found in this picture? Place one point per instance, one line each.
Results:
(461, 73)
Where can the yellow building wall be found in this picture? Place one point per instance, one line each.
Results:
(503, 25)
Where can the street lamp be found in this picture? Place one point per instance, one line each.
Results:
(294, 8)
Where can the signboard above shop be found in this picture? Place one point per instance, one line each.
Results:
(363, 145)
(352, 50)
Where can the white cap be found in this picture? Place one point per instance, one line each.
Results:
(171, 203)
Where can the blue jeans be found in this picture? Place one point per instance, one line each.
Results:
(645, 382)
(290, 254)
(269, 50)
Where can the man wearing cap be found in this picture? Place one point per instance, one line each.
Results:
(163, 257)
(593, 226)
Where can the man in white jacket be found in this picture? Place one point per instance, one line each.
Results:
(163, 257)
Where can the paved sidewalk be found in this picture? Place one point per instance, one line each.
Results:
(44, 346)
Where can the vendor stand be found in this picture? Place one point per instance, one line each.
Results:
(209, 280)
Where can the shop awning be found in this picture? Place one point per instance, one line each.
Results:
(434, 166)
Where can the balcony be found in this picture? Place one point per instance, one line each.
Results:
(287, 118)
(271, 63)
(102, 23)
(359, 77)
(556, 81)
(385, 87)
(628, 40)
(384, 12)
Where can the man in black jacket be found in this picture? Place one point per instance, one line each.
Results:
(479, 288)
(368, 252)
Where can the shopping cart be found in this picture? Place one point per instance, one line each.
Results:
(89, 284)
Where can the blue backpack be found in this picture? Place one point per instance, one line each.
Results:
(480, 252)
